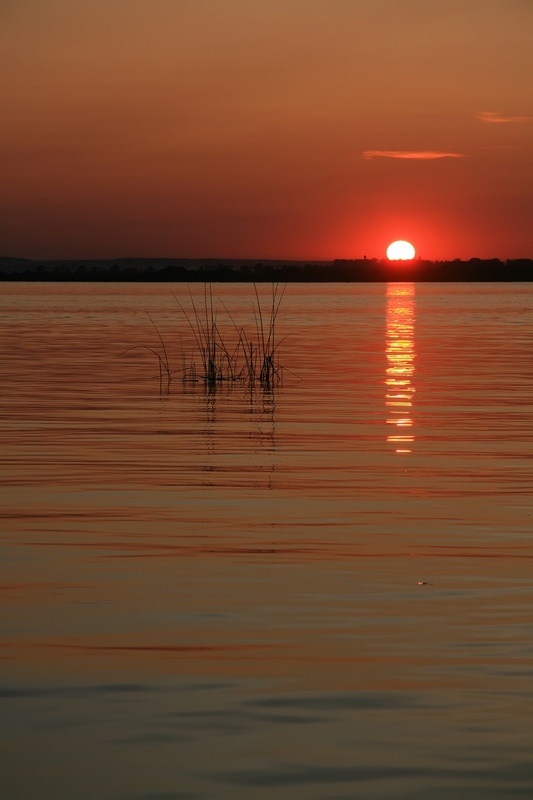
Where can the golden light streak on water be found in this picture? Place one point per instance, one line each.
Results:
(400, 352)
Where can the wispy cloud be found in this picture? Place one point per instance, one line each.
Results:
(420, 155)
(494, 116)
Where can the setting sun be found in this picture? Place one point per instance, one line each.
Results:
(400, 251)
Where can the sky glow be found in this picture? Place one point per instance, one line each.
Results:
(293, 129)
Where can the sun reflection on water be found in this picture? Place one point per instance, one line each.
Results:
(400, 352)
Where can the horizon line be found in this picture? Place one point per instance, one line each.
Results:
(258, 260)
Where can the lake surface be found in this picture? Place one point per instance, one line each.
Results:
(323, 591)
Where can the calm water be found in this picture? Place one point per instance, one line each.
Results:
(324, 592)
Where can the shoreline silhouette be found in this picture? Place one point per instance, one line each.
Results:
(368, 270)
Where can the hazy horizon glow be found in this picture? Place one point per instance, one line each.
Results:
(294, 129)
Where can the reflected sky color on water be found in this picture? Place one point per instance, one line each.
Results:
(254, 594)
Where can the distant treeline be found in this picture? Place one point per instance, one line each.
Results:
(345, 271)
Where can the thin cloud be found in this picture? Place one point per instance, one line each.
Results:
(419, 155)
(495, 117)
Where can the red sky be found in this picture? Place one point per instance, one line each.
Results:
(266, 128)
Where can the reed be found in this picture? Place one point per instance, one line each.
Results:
(163, 361)
(231, 357)
(270, 371)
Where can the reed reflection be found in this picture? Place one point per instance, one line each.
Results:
(239, 427)
(400, 352)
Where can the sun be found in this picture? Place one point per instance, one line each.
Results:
(400, 251)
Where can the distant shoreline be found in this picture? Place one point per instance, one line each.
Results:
(147, 270)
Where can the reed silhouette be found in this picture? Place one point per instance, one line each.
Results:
(240, 356)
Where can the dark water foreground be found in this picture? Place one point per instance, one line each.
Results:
(322, 591)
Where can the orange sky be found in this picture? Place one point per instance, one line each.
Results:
(266, 128)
